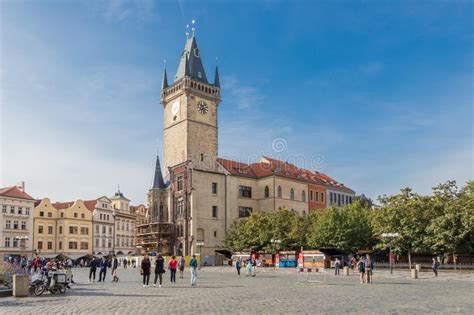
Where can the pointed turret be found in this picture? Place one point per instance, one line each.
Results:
(217, 82)
(164, 84)
(190, 64)
(158, 181)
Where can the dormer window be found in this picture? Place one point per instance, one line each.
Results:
(199, 75)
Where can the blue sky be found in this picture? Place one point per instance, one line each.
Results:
(377, 94)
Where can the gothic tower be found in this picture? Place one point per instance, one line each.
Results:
(190, 113)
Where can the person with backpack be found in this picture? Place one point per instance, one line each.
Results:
(361, 269)
(159, 269)
(181, 264)
(238, 266)
(193, 265)
(434, 266)
(369, 267)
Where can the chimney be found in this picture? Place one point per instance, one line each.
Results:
(21, 186)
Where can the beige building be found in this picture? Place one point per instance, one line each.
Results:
(63, 227)
(125, 220)
(16, 222)
(203, 195)
(103, 218)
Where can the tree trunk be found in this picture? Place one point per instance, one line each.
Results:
(409, 258)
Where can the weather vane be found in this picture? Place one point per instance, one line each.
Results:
(187, 31)
(193, 29)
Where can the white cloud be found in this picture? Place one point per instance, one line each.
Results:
(120, 10)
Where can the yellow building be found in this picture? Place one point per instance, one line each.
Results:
(63, 227)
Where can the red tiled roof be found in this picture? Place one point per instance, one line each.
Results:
(269, 166)
(14, 192)
(90, 204)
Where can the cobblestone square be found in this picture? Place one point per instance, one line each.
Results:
(221, 291)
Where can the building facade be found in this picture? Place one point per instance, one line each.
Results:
(125, 220)
(63, 227)
(16, 222)
(103, 227)
(203, 194)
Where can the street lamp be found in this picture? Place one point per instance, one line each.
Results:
(391, 237)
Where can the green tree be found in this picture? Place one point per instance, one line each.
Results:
(407, 214)
(347, 228)
(451, 231)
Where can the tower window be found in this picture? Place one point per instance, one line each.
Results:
(214, 188)
(267, 192)
(202, 157)
(214, 212)
(279, 192)
(215, 233)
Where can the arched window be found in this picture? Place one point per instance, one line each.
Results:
(200, 235)
(267, 192)
(279, 192)
(292, 194)
(303, 196)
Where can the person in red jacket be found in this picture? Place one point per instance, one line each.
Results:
(173, 264)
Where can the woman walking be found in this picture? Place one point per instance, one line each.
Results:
(434, 266)
(145, 270)
(159, 269)
(173, 264)
(361, 268)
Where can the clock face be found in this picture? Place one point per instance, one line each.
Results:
(202, 107)
(175, 108)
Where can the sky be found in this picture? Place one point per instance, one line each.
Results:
(376, 94)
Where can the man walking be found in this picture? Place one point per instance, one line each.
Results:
(93, 268)
(434, 266)
(159, 269)
(337, 266)
(369, 266)
(193, 266)
(103, 269)
(238, 266)
(181, 264)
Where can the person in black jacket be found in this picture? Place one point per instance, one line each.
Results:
(103, 269)
(145, 270)
(93, 268)
(159, 269)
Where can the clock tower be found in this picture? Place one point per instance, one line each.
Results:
(190, 113)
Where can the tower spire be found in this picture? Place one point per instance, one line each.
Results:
(158, 181)
(164, 84)
(217, 82)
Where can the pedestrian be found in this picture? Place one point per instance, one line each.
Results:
(354, 264)
(369, 266)
(103, 269)
(361, 269)
(238, 266)
(181, 264)
(145, 270)
(254, 267)
(337, 266)
(172, 267)
(434, 266)
(125, 263)
(248, 267)
(159, 269)
(193, 265)
(115, 277)
(93, 268)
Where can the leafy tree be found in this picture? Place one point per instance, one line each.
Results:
(347, 228)
(451, 231)
(405, 214)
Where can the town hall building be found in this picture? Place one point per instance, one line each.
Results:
(197, 195)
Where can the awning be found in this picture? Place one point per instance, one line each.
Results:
(225, 252)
